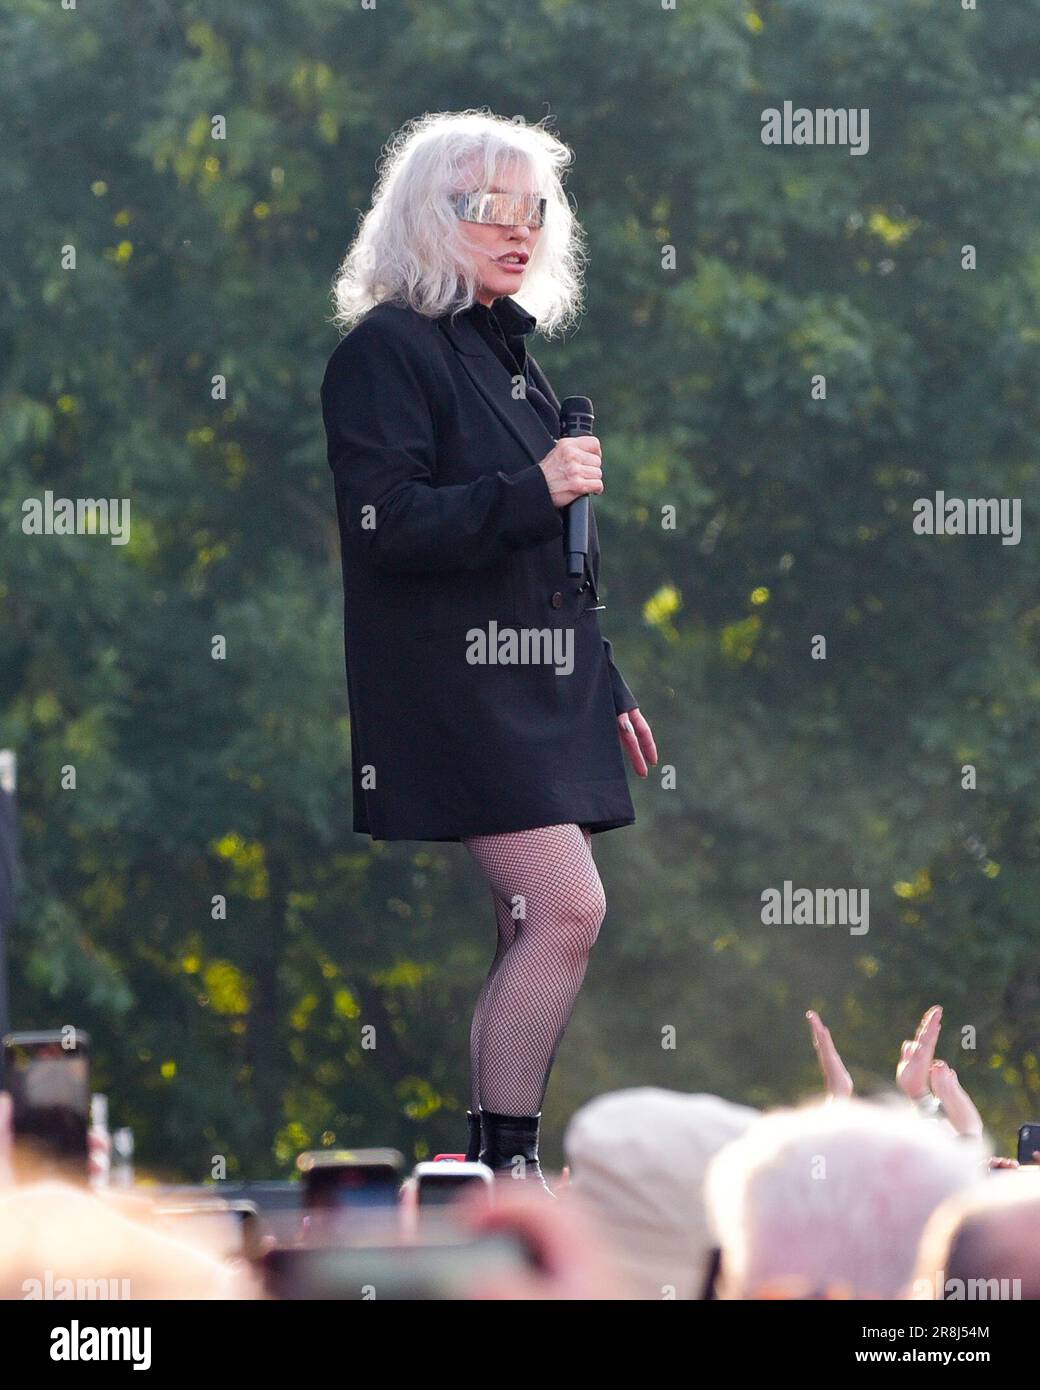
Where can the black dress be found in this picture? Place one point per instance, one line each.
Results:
(447, 527)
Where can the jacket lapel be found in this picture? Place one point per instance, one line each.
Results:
(520, 418)
(542, 382)
(495, 385)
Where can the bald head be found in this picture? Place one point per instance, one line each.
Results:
(984, 1244)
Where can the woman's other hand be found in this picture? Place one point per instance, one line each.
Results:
(637, 740)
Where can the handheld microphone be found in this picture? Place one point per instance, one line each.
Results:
(576, 419)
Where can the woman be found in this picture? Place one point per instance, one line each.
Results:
(485, 704)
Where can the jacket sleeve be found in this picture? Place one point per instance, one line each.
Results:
(377, 404)
(624, 700)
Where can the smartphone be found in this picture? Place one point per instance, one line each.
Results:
(451, 1270)
(441, 1182)
(48, 1077)
(350, 1179)
(1028, 1143)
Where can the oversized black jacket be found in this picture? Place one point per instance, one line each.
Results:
(448, 529)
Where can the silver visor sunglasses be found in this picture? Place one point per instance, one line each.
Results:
(504, 209)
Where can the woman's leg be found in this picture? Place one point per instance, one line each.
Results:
(548, 882)
(506, 927)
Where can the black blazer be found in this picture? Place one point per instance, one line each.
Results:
(447, 527)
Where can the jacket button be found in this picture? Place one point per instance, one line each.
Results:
(557, 599)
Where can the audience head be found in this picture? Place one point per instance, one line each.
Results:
(984, 1243)
(831, 1199)
(638, 1159)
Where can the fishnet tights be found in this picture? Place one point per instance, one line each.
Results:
(549, 907)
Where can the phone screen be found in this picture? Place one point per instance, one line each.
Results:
(1028, 1143)
(351, 1186)
(437, 1191)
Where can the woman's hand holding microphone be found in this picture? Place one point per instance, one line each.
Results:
(572, 469)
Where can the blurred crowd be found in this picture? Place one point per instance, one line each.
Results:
(664, 1196)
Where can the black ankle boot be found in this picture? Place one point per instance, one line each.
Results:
(508, 1137)
(473, 1143)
